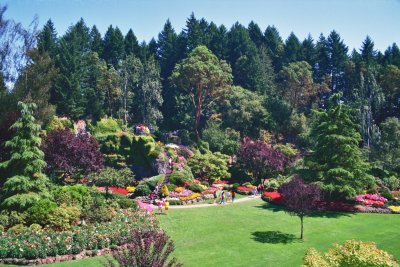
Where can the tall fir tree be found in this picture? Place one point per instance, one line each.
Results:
(47, 39)
(114, 50)
(25, 183)
(96, 42)
(255, 34)
(275, 46)
(368, 53)
(292, 50)
(337, 158)
(131, 44)
(308, 52)
(217, 40)
(337, 59)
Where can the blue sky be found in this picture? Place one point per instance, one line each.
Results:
(353, 19)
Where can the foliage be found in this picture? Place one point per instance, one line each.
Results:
(148, 248)
(142, 190)
(392, 182)
(225, 141)
(64, 217)
(11, 218)
(40, 212)
(106, 126)
(77, 195)
(69, 155)
(260, 158)
(144, 150)
(116, 148)
(56, 123)
(209, 166)
(32, 244)
(351, 253)
(300, 199)
(196, 188)
(204, 78)
(25, 183)
(113, 177)
(337, 157)
(180, 178)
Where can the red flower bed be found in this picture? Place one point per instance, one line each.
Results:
(244, 188)
(115, 190)
(275, 196)
(221, 182)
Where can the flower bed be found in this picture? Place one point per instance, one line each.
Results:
(115, 190)
(40, 243)
(244, 190)
(274, 196)
(394, 209)
(371, 200)
(369, 209)
(210, 190)
(191, 197)
(184, 193)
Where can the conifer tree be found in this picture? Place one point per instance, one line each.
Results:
(25, 183)
(131, 44)
(47, 38)
(275, 46)
(337, 157)
(96, 42)
(292, 49)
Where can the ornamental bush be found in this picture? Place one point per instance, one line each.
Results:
(142, 190)
(351, 253)
(40, 212)
(72, 194)
(196, 188)
(64, 217)
(179, 178)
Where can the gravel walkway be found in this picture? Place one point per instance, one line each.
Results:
(193, 206)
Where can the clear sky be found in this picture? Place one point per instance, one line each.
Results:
(353, 19)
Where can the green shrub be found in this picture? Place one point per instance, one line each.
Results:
(98, 210)
(12, 218)
(385, 192)
(153, 181)
(106, 125)
(17, 229)
(391, 182)
(272, 185)
(171, 187)
(40, 212)
(126, 203)
(58, 123)
(64, 217)
(113, 177)
(175, 202)
(196, 188)
(351, 253)
(35, 227)
(142, 190)
(179, 178)
(1, 228)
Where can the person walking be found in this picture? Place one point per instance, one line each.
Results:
(228, 196)
(160, 205)
(233, 194)
(166, 206)
(215, 196)
(222, 197)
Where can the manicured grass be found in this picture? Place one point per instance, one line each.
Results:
(89, 262)
(255, 234)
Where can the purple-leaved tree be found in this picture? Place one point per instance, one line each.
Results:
(70, 156)
(260, 158)
(301, 199)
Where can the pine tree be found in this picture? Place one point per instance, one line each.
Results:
(337, 59)
(25, 183)
(255, 34)
(131, 44)
(114, 49)
(275, 46)
(337, 157)
(368, 53)
(96, 42)
(217, 40)
(194, 33)
(292, 49)
(308, 51)
(47, 38)
(392, 55)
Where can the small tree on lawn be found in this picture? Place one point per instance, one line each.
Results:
(26, 183)
(260, 158)
(69, 155)
(300, 199)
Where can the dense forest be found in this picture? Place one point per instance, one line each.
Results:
(216, 84)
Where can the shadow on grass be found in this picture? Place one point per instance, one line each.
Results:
(324, 214)
(273, 237)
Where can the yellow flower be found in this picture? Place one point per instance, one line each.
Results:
(395, 209)
(131, 189)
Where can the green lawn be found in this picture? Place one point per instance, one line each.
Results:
(253, 234)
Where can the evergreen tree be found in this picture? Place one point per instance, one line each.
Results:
(321, 68)
(131, 44)
(392, 55)
(25, 183)
(194, 33)
(337, 157)
(147, 98)
(337, 58)
(275, 46)
(368, 53)
(72, 62)
(255, 34)
(292, 51)
(308, 52)
(96, 42)
(114, 49)
(47, 38)
(217, 40)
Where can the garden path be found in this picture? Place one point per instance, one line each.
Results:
(244, 199)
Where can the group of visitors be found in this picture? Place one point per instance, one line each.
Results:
(163, 204)
(224, 198)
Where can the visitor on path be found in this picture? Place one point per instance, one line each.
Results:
(228, 196)
(233, 193)
(254, 191)
(222, 196)
(215, 196)
(166, 206)
(160, 205)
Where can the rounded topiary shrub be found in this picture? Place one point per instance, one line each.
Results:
(142, 190)
(179, 178)
(196, 188)
(126, 203)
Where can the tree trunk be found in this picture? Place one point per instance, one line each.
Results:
(302, 228)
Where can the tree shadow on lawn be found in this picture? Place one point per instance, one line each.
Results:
(274, 237)
(324, 214)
